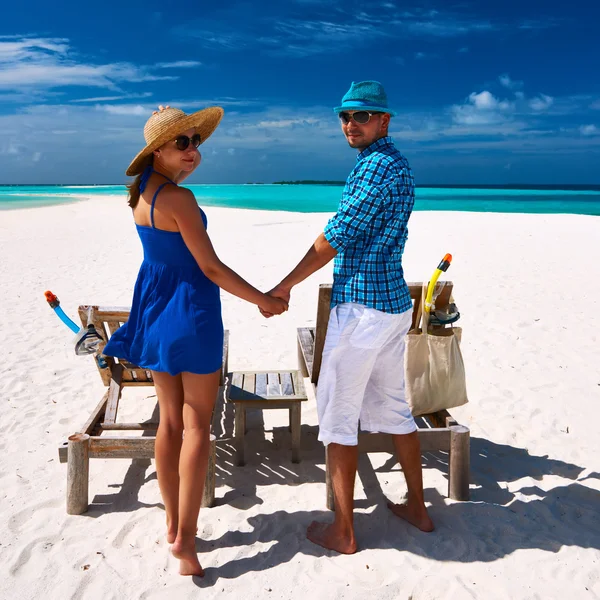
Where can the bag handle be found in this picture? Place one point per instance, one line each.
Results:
(424, 317)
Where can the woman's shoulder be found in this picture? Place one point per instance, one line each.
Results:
(180, 199)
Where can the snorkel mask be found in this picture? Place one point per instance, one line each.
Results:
(87, 339)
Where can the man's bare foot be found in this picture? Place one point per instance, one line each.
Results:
(188, 559)
(415, 516)
(329, 537)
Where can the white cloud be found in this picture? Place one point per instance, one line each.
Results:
(112, 98)
(277, 124)
(179, 64)
(298, 37)
(124, 109)
(509, 83)
(595, 105)
(49, 63)
(542, 102)
(481, 109)
(588, 130)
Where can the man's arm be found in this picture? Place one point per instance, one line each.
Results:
(318, 255)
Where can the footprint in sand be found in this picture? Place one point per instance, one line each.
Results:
(23, 519)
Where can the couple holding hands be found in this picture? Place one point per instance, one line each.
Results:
(175, 327)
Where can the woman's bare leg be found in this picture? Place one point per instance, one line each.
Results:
(199, 394)
(169, 437)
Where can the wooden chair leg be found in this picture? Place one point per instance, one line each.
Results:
(291, 419)
(208, 497)
(240, 430)
(330, 498)
(78, 470)
(296, 427)
(460, 463)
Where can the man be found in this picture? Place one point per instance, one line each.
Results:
(362, 373)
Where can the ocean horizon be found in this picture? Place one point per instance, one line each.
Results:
(294, 197)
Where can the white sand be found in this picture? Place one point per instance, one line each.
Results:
(528, 290)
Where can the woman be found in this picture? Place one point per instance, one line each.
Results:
(175, 327)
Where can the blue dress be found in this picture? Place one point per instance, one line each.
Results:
(175, 324)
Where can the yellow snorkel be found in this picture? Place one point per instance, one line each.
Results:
(442, 268)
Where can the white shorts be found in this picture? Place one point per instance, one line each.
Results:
(362, 375)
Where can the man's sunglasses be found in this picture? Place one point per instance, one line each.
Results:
(360, 116)
(183, 141)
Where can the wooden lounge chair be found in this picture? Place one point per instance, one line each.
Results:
(437, 431)
(89, 442)
(265, 390)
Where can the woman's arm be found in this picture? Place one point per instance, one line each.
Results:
(185, 212)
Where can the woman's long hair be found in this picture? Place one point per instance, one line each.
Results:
(134, 186)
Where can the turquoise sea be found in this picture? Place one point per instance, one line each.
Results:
(324, 198)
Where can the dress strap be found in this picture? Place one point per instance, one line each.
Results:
(146, 176)
(160, 187)
(144, 181)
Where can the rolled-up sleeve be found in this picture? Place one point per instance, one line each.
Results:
(357, 210)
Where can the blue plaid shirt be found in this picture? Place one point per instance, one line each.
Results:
(370, 229)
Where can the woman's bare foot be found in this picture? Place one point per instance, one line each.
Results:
(188, 559)
(415, 516)
(330, 537)
(171, 532)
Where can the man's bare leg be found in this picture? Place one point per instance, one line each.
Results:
(339, 535)
(408, 450)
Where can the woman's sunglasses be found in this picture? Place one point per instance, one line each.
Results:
(183, 141)
(360, 116)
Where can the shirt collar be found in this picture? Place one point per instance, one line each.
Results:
(378, 145)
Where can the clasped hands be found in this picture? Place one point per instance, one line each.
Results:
(276, 302)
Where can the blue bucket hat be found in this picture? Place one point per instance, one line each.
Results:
(365, 95)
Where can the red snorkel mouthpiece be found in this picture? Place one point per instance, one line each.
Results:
(443, 266)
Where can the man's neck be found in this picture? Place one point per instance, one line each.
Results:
(373, 142)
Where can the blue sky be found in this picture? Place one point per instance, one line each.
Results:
(486, 92)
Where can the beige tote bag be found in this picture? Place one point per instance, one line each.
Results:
(435, 372)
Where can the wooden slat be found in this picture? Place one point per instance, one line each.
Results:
(112, 326)
(298, 383)
(235, 386)
(273, 387)
(416, 313)
(145, 426)
(138, 383)
(430, 439)
(255, 387)
(287, 387)
(122, 447)
(306, 348)
(225, 363)
(96, 416)
(108, 312)
(440, 418)
(323, 310)
(261, 385)
(114, 395)
(275, 403)
(249, 384)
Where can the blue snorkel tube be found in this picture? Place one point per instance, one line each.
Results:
(87, 340)
(54, 303)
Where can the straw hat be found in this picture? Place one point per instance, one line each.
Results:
(168, 123)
